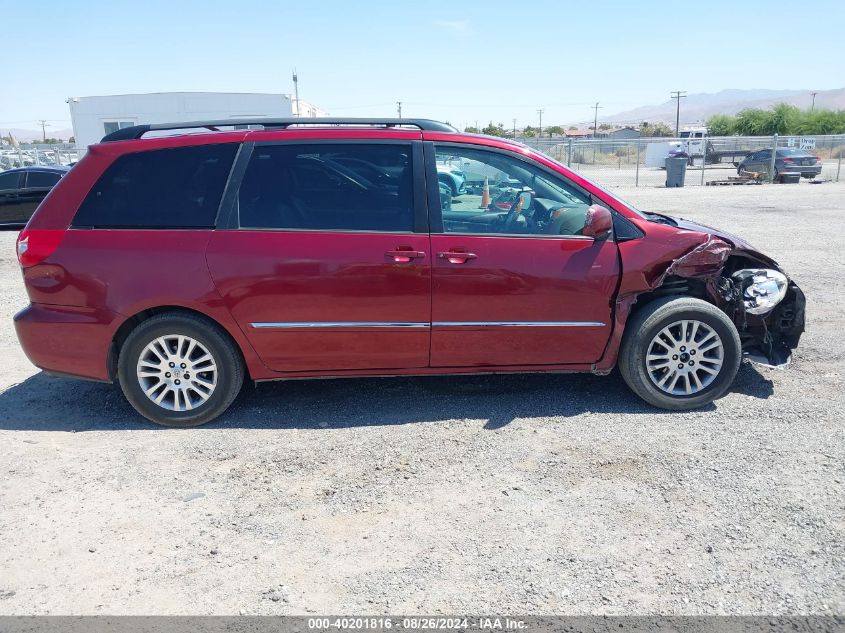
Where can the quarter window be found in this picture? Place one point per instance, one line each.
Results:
(353, 187)
(491, 192)
(160, 189)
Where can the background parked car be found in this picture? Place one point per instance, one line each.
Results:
(787, 160)
(23, 189)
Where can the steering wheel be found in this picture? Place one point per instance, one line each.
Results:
(523, 200)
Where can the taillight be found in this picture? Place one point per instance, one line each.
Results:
(36, 245)
(787, 161)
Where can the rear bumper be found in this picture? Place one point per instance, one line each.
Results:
(67, 340)
(806, 171)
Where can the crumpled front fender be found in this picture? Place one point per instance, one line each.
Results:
(683, 253)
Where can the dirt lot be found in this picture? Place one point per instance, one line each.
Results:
(530, 494)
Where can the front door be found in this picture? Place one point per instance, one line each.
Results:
(514, 281)
(328, 264)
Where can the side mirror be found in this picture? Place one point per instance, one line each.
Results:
(598, 223)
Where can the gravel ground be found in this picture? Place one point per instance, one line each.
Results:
(523, 494)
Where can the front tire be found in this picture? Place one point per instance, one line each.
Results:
(679, 353)
(179, 369)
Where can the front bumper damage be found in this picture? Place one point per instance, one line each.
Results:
(767, 339)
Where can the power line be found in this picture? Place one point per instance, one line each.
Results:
(678, 95)
(540, 133)
(399, 108)
(43, 123)
(596, 119)
(813, 106)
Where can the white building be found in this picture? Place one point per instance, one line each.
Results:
(306, 109)
(94, 117)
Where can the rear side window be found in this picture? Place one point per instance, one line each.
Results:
(351, 187)
(160, 189)
(42, 179)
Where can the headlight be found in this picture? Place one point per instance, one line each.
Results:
(762, 288)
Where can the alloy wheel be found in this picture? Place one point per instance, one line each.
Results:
(177, 372)
(685, 357)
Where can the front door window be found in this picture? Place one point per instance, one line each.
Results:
(484, 192)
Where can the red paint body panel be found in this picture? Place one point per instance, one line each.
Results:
(127, 271)
(321, 277)
(522, 279)
(97, 279)
(67, 339)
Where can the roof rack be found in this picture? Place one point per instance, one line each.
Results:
(137, 131)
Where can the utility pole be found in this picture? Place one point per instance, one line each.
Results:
(43, 123)
(678, 95)
(399, 108)
(514, 129)
(540, 132)
(596, 119)
(813, 106)
(296, 90)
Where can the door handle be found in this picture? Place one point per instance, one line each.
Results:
(403, 256)
(456, 257)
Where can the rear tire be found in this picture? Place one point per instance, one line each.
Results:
(179, 369)
(705, 368)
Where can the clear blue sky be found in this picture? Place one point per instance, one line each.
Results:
(456, 60)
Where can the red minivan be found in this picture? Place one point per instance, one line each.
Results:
(181, 259)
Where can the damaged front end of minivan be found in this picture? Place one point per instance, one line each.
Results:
(764, 304)
(766, 307)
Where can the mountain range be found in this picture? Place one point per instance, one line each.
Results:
(25, 136)
(697, 108)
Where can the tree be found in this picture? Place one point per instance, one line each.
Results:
(721, 125)
(494, 130)
(655, 129)
(751, 122)
(471, 129)
(605, 126)
(529, 132)
(782, 119)
(554, 129)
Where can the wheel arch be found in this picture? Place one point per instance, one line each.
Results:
(130, 323)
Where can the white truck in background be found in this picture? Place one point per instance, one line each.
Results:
(694, 141)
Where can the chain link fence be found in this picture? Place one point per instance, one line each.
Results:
(26, 155)
(640, 162)
(635, 162)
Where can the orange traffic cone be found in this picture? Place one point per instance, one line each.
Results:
(485, 194)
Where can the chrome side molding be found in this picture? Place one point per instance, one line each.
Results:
(337, 324)
(379, 324)
(517, 324)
